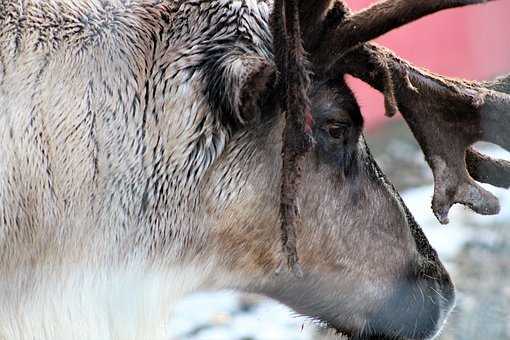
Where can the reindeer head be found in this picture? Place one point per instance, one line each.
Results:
(366, 267)
(374, 262)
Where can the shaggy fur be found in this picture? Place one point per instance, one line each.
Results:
(108, 135)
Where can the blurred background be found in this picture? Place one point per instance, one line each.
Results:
(471, 43)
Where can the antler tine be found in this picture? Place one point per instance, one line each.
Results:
(373, 22)
(446, 116)
(487, 170)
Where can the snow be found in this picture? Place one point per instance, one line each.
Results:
(211, 316)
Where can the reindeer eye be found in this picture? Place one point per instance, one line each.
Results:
(337, 130)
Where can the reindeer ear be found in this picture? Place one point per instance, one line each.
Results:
(248, 78)
(235, 84)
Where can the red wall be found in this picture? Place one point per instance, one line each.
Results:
(471, 42)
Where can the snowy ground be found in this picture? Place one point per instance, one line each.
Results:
(227, 315)
(467, 245)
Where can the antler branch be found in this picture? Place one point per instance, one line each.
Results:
(373, 22)
(446, 116)
(487, 170)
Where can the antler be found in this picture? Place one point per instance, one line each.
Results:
(445, 115)
(372, 22)
(487, 170)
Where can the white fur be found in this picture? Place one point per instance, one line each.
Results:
(96, 304)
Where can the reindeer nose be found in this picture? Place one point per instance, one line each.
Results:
(417, 309)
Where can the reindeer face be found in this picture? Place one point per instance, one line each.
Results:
(368, 268)
(375, 274)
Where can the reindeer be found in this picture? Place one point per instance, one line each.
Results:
(141, 160)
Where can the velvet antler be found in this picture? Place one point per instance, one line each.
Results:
(372, 22)
(446, 116)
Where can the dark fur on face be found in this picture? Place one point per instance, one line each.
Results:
(338, 124)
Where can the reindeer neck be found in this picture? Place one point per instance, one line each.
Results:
(87, 303)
